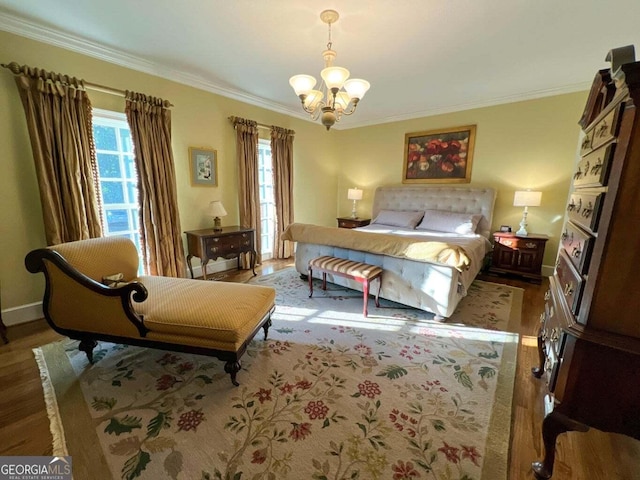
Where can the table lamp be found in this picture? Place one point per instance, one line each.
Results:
(354, 194)
(216, 210)
(526, 198)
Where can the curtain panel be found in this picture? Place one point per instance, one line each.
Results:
(149, 119)
(248, 185)
(58, 114)
(282, 158)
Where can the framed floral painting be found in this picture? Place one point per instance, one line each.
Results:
(439, 156)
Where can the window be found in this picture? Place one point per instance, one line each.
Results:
(267, 204)
(117, 174)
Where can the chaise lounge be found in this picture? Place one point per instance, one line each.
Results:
(208, 318)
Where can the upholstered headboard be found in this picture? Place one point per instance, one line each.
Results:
(451, 199)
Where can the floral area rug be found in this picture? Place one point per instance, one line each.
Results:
(330, 395)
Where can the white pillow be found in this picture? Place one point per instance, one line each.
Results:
(450, 222)
(398, 218)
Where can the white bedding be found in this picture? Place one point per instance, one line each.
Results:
(427, 286)
(476, 246)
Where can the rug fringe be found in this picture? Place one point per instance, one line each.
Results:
(55, 420)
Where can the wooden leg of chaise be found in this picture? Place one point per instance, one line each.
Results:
(265, 327)
(232, 367)
(87, 347)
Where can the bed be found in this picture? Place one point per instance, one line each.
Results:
(458, 217)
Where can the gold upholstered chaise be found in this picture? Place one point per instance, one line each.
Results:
(210, 318)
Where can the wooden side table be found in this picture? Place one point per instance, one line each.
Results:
(518, 255)
(230, 242)
(350, 222)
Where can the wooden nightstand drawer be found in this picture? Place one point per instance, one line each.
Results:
(349, 222)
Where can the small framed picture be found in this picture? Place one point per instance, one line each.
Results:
(505, 228)
(204, 167)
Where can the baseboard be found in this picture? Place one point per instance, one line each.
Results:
(214, 267)
(547, 270)
(22, 314)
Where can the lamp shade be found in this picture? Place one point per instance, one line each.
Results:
(356, 87)
(216, 209)
(354, 194)
(527, 198)
(302, 84)
(334, 77)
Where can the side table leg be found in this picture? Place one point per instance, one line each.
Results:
(189, 257)
(203, 264)
(254, 255)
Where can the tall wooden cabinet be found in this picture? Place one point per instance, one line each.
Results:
(589, 336)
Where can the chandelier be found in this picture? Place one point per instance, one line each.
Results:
(337, 95)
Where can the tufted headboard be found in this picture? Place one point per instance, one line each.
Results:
(451, 199)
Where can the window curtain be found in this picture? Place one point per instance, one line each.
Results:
(282, 158)
(58, 113)
(149, 119)
(248, 186)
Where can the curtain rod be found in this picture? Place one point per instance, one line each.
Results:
(104, 89)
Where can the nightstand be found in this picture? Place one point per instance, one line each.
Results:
(350, 222)
(230, 242)
(518, 255)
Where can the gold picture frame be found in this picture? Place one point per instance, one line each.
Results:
(439, 156)
(203, 166)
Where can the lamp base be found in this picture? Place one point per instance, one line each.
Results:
(354, 214)
(523, 226)
(217, 224)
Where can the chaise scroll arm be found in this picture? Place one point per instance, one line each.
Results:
(35, 262)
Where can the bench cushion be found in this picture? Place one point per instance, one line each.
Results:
(347, 267)
(203, 313)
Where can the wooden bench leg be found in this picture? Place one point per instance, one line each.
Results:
(365, 288)
(232, 367)
(324, 280)
(310, 276)
(378, 293)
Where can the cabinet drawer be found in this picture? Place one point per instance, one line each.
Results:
(578, 245)
(584, 209)
(228, 244)
(607, 128)
(520, 243)
(553, 337)
(593, 169)
(570, 282)
(585, 145)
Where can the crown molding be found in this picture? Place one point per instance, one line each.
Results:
(23, 28)
(521, 97)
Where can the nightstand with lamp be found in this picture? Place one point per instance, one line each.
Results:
(520, 253)
(353, 221)
(221, 242)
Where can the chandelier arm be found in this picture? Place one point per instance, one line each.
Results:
(354, 105)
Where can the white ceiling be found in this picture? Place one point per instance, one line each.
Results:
(422, 57)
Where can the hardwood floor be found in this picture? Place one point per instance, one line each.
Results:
(24, 426)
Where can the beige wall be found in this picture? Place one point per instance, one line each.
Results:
(527, 144)
(199, 119)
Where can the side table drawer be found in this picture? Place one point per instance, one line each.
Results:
(229, 244)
